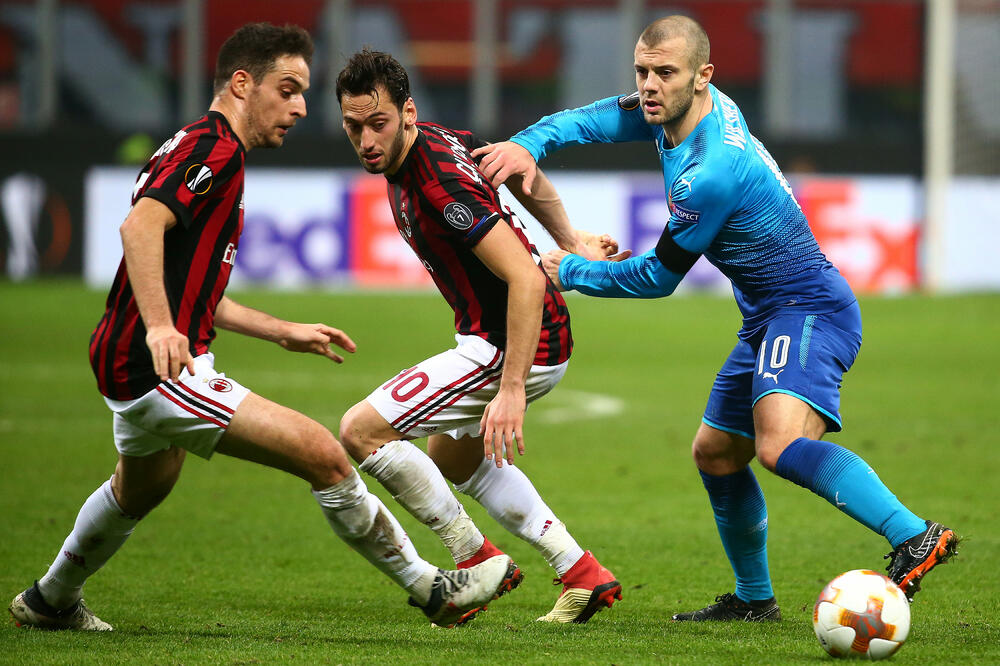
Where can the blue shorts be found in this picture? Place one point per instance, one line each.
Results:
(804, 355)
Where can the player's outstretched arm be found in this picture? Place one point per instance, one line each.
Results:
(638, 277)
(142, 244)
(503, 419)
(546, 206)
(604, 121)
(293, 336)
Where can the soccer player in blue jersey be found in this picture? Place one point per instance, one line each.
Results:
(777, 393)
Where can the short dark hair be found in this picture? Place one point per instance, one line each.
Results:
(256, 47)
(367, 70)
(678, 25)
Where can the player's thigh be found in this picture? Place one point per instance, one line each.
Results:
(264, 432)
(781, 419)
(718, 452)
(140, 483)
(803, 358)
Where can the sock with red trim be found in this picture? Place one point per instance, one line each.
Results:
(511, 499)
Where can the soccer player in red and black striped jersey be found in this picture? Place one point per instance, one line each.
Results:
(513, 338)
(150, 353)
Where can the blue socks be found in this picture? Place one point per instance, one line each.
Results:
(741, 516)
(843, 479)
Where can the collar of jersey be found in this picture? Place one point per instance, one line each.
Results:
(232, 132)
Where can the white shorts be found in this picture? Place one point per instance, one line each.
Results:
(191, 413)
(447, 393)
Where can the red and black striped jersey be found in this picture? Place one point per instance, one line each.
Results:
(197, 174)
(443, 207)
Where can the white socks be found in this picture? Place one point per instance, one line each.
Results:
(367, 526)
(357, 516)
(510, 498)
(100, 530)
(506, 494)
(417, 484)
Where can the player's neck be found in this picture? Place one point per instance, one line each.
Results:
(677, 131)
(227, 106)
(409, 137)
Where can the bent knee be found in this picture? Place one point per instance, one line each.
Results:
(710, 459)
(328, 462)
(769, 450)
(719, 456)
(355, 429)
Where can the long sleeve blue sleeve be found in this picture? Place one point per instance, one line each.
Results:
(637, 277)
(604, 121)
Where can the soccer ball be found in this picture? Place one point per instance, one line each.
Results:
(861, 613)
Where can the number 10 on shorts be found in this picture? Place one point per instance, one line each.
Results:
(407, 384)
(779, 356)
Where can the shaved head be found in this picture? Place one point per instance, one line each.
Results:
(672, 27)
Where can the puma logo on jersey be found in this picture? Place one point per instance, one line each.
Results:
(685, 181)
(773, 375)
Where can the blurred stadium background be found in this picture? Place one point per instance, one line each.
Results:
(883, 113)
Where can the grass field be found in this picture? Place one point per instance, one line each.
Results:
(238, 565)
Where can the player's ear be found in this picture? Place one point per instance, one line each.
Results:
(704, 76)
(409, 113)
(240, 83)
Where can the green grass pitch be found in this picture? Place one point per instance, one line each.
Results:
(238, 565)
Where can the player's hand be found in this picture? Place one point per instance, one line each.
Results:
(502, 160)
(170, 351)
(598, 248)
(550, 264)
(502, 424)
(316, 339)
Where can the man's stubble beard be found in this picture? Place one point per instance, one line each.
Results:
(679, 108)
(391, 156)
(258, 136)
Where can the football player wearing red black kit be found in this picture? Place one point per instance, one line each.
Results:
(513, 339)
(150, 353)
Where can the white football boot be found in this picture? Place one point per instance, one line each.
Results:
(31, 610)
(455, 593)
